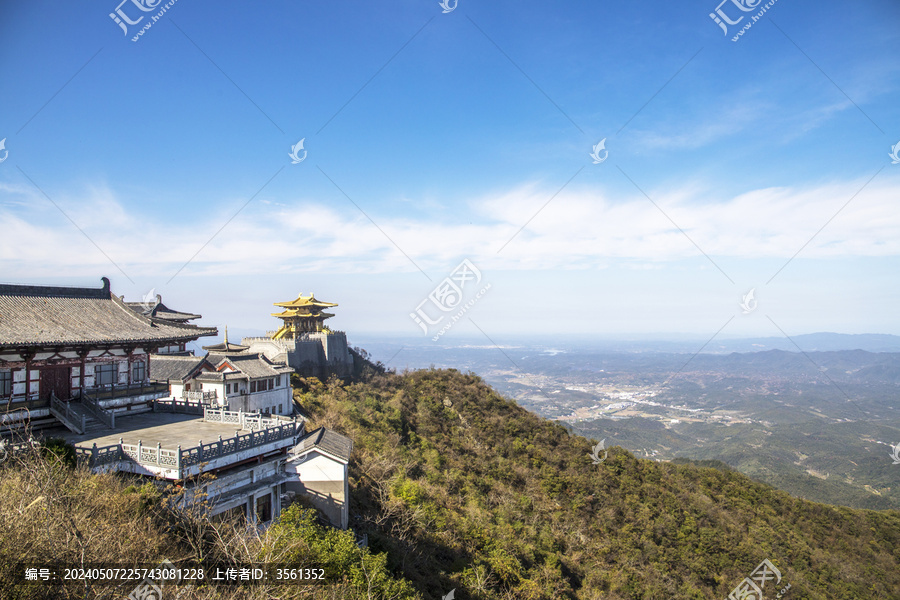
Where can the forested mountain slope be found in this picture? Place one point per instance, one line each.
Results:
(467, 490)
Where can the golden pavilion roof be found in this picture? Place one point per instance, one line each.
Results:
(301, 313)
(305, 302)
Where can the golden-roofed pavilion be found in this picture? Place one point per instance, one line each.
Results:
(303, 315)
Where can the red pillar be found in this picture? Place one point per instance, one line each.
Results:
(27, 377)
(83, 355)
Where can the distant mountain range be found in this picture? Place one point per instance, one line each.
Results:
(421, 351)
(813, 342)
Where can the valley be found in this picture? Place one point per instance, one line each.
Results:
(819, 424)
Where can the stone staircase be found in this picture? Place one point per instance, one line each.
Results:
(91, 423)
(76, 416)
(62, 412)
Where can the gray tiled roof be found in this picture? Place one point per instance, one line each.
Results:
(173, 368)
(213, 376)
(41, 315)
(252, 365)
(219, 376)
(160, 311)
(226, 348)
(326, 440)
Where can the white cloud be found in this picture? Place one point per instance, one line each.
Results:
(581, 228)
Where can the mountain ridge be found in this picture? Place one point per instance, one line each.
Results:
(465, 489)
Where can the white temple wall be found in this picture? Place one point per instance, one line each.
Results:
(324, 482)
(260, 401)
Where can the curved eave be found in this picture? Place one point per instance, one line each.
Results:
(223, 349)
(295, 315)
(161, 341)
(299, 304)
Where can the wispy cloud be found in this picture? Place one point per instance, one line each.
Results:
(582, 228)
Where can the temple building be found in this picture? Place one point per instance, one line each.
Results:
(303, 315)
(228, 377)
(304, 342)
(75, 355)
(114, 380)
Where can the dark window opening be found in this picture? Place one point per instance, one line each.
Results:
(264, 508)
(138, 372)
(5, 383)
(106, 374)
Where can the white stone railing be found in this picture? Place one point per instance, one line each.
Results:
(250, 421)
(203, 397)
(152, 455)
(179, 459)
(300, 336)
(191, 407)
(238, 443)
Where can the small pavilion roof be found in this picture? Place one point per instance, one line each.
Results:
(225, 347)
(327, 441)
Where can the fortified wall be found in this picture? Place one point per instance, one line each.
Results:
(315, 354)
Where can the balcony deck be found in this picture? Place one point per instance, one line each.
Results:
(167, 429)
(175, 446)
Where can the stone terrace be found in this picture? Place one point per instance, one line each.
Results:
(169, 445)
(168, 429)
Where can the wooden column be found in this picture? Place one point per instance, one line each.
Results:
(28, 355)
(148, 351)
(82, 354)
(129, 354)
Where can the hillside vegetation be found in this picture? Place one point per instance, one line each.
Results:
(459, 488)
(834, 463)
(466, 490)
(52, 513)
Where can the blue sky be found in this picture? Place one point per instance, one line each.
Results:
(435, 137)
